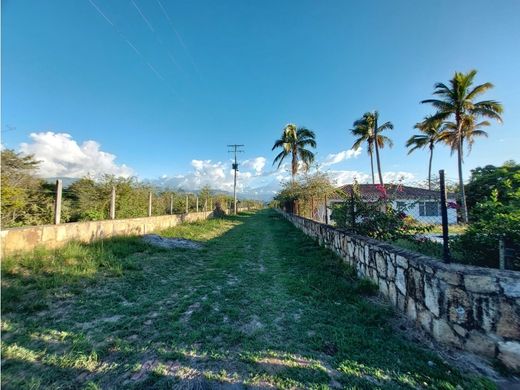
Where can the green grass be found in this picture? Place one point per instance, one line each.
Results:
(453, 229)
(259, 305)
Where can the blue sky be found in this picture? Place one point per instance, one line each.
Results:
(158, 88)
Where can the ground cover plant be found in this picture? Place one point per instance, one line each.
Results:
(260, 305)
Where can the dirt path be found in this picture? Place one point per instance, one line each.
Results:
(260, 305)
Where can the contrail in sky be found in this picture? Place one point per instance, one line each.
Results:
(100, 12)
(142, 16)
(179, 37)
(94, 5)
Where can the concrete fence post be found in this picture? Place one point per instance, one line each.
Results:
(187, 205)
(150, 204)
(171, 204)
(326, 212)
(113, 203)
(502, 253)
(57, 202)
(197, 203)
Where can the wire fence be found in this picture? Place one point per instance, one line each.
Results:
(428, 221)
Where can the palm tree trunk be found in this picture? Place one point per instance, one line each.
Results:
(372, 167)
(294, 163)
(430, 169)
(464, 210)
(378, 164)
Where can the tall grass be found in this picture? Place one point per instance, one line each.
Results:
(27, 278)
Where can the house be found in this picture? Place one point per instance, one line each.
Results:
(419, 203)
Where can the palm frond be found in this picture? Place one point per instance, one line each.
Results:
(280, 157)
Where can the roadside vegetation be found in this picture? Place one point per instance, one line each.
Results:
(247, 309)
(27, 199)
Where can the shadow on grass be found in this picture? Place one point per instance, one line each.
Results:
(261, 305)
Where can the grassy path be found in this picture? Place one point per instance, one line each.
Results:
(260, 305)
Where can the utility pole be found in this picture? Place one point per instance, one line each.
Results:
(235, 150)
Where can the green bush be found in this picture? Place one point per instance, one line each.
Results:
(492, 221)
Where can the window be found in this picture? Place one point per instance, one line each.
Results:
(429, 209)
(401, 206)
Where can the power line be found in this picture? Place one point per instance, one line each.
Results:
(235, 150)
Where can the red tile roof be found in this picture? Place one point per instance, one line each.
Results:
(394, 191)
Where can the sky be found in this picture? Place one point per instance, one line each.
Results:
(157, 88)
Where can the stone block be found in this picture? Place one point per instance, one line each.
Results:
(458, 305)
(480, 344)
(508, 324)
(380, 263)
(481, 284)
(401, 261)
(392, 293)
(462, 332)
(390, 272)
(410, 309)
(511, 287)
(401, 301)
(453, 278)
(509, 354)
(383, 287)
(443, 333)
(425, 319)
(400, 280)
(431, 297)
(485, 312)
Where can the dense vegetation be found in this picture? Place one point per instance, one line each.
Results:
(494, 211)
(29, 200)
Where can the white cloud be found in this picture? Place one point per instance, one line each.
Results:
(348, 177)
(335, 158)
(257, 164)
(62, 156)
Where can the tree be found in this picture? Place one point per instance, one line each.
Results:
(294, 141)
(430, 129)
(25, 198)
(456, 104)
(505, 180)
(370, 121)
(364, 133)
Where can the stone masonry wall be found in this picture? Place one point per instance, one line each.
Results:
(54, 236)
(472, 308)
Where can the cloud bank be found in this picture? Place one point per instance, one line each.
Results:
(62, 156)
(335, 158)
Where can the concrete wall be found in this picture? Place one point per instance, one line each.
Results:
(54, 236)
(473, 308)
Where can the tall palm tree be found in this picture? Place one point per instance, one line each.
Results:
(364, 133)
(430, 131)
(370, 119)
(470, 130)
(294, 141)
(456, 102)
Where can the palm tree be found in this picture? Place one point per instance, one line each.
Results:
(430, 129)
(364, 133)
(294, 141)
(370, 120)
(470, 130)
(456, 101)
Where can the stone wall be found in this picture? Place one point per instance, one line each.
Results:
(472, 308)
(54, 236)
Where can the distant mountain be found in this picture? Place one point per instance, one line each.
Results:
(264, 193)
